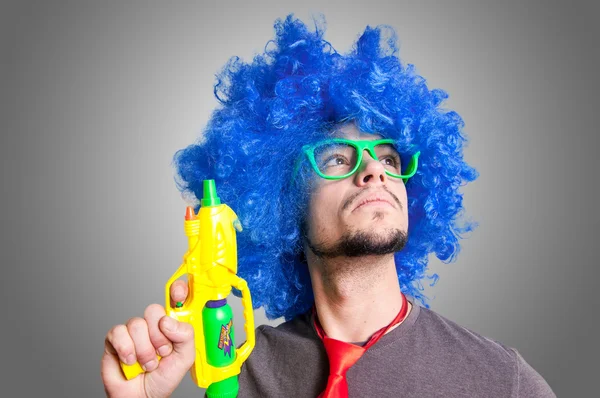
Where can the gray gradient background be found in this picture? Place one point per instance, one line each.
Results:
(97, 98)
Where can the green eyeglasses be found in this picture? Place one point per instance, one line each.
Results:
(338, 158)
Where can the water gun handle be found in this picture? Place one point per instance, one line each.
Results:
(246, 348)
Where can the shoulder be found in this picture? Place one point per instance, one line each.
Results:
(531, 383)
(443, 332)
(479, 354)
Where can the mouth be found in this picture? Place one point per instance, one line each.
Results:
(373, 201)
(380, 197)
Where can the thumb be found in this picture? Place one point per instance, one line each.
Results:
(172, 368)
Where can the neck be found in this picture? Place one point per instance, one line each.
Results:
(354, 297)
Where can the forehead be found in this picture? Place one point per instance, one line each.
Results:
(351, 132)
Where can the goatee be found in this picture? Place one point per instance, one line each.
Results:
(362, 243)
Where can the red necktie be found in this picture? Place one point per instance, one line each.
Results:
(343, 355)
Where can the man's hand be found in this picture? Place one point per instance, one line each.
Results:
(139, 341)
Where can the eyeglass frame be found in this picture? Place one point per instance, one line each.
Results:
(360, 146)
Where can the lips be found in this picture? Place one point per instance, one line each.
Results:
(381, 199)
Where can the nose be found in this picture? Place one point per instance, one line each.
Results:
(371, 171)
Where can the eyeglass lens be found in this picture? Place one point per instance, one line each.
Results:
(337, 159)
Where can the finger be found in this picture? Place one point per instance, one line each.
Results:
(161, 343)
(144, 350)
(174, 367)
(110, 368)
(119, 342)
(179, 291)
(182, 336)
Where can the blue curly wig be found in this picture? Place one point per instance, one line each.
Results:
(293, 94)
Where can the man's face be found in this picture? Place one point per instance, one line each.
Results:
(363, 214)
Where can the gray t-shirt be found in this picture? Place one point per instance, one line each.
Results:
(427, 355)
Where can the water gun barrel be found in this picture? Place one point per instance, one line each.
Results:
(211, 268)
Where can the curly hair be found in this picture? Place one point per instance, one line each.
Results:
(293, 94)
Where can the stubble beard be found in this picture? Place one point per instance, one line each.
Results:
(361, 243)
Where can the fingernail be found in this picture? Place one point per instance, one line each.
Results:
(164, 350)
(130, 359)
(170, 324)
(150, 365)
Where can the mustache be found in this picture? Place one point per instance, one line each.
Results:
(355, 195)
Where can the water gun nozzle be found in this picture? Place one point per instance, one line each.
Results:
(209, 194)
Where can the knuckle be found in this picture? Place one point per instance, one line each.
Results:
(123, 349)
(135, 325)
(145, 356)
(122, 344)
(153, 309)
(117, 331)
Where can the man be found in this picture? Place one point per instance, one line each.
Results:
(345, 173)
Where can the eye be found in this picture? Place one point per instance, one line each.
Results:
(335, 160)
(392, 161)
(389, 157)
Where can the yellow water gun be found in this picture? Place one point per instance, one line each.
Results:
(211, 267)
